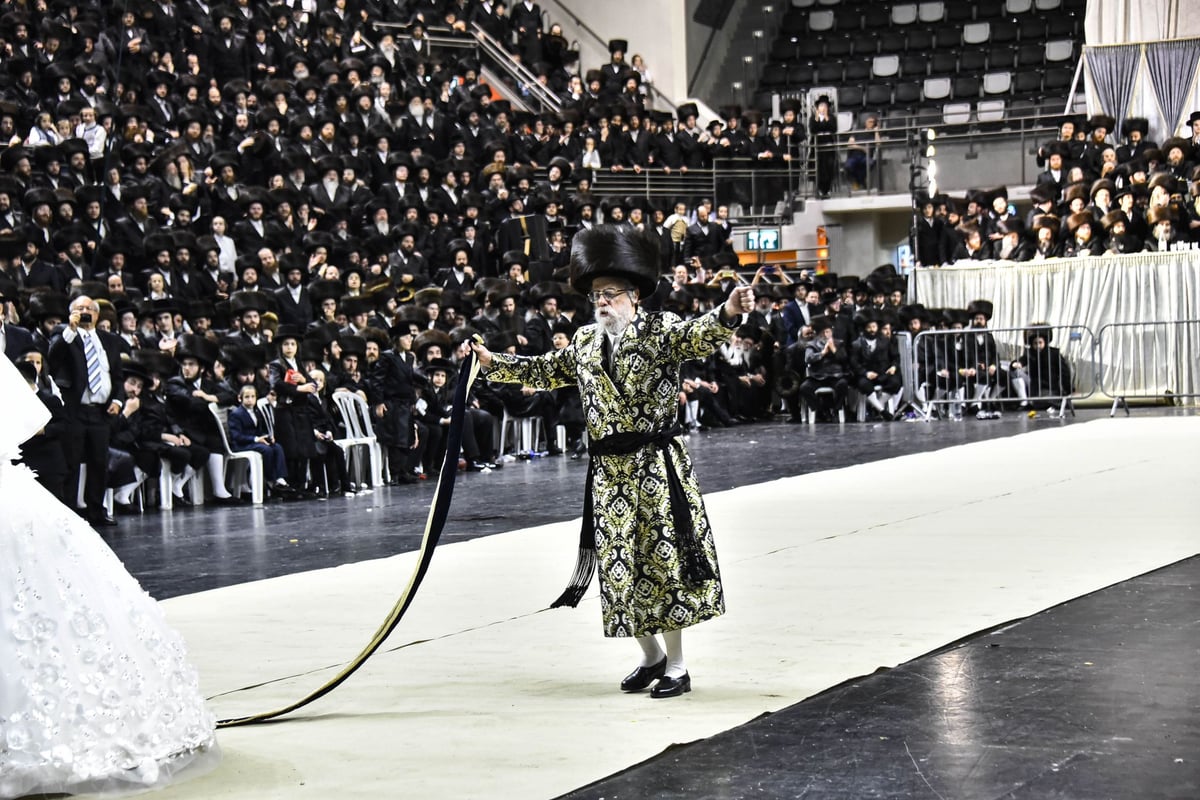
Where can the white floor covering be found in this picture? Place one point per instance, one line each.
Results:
(481, 693)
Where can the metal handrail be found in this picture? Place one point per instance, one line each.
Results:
(519, 72)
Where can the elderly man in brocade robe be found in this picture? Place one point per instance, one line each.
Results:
(643, 519)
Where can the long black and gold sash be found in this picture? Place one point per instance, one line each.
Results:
(696, 566)
(438, 509)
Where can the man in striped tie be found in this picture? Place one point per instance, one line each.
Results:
(86, 365)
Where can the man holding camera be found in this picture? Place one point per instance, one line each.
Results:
(86, 365)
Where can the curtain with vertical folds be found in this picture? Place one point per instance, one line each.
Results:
(1112, 73)
(1141, 312)
(1170, 66)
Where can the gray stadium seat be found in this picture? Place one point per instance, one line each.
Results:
(875, 17)
(820, 21)
(972, 60)
(931, 11)
(936, 88)
(1031, 55)
(904, 14)
(877, 95)
(1060, 50)
(1058, 79)
(913, 66)
(857, 70)
(976, 32)
(885, 66)
(1018, 6)
(990, 114)
(943, 63)
(1027, 83)
(966, 87)
(907, 93)
(997, 83)
(918, 40)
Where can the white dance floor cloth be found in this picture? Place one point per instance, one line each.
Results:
(482, 693)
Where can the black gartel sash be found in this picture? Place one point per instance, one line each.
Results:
(696, 566)
(436, 521)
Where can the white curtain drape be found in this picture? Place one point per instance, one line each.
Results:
(1138, 21)
(1150, 348)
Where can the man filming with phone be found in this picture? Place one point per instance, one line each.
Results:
(86, 365)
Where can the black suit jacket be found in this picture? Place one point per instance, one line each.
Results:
(68, 367)
(292, 312)
(700, 244)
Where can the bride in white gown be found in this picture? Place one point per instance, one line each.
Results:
(96, 694)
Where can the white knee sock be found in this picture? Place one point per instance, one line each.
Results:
(179, 480)
(651, 652)
(675, 665)
(216, 475)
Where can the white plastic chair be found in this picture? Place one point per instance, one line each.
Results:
(81, 503)
(976, 32)
(360, 431)
(240, 461)
(194, 486)
(523, 433)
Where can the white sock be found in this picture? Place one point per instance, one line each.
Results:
(874, 402)
(675, 665)
(179, 480)
(124, 494)
(651, 652)
(216, 475)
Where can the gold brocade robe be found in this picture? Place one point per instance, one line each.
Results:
(642, 585)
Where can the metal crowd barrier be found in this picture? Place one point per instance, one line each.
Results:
(952, 371)
(1149, 360)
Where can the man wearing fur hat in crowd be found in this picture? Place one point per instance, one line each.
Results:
(644, 520)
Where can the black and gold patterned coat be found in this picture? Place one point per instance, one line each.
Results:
(642, 585)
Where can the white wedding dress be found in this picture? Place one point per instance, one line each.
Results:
(96, 694)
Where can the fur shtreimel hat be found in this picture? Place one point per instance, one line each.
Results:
(608, 251)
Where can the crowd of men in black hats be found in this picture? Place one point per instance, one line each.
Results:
(1094, 196)
(260, 209)
(269, 211)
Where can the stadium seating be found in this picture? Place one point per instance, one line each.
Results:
(931, 58)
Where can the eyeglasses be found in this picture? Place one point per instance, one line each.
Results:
(609, 295)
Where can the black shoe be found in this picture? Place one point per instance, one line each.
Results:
(102, 521)
(179, 501)
(232, 500)
(642, 677)
(124, 509)
(672, 687)
(554, 451)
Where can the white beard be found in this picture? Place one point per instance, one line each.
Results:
(612, 322)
